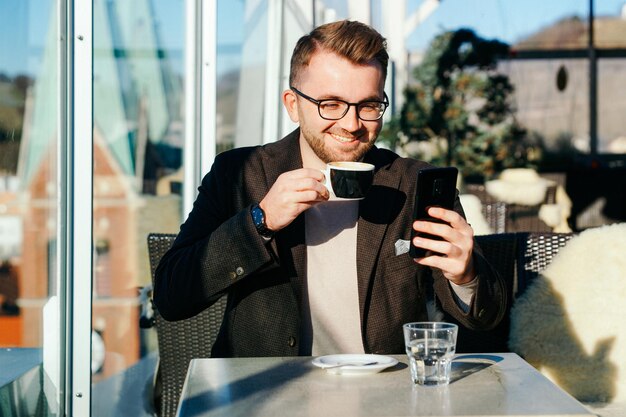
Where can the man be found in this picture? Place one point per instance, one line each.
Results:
(307, 275)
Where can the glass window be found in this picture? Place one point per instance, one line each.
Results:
(549, 97)
(548, 101)
(30, 295)
(612, 104)
(230, 76)
(138, 65)
(241, 69)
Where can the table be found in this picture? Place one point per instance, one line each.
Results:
(500, 384)
(20, 380)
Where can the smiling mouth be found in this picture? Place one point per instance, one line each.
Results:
(343, 139)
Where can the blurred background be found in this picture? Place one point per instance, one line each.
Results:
(485, 85)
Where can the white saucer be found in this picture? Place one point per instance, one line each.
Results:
(382, 362)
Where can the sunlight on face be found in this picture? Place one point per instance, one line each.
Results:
(330, 76)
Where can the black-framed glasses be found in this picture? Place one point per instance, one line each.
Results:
(335, 109)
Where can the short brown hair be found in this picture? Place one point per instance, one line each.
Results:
(355, 41)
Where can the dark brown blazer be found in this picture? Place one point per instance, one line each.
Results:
(218, 252)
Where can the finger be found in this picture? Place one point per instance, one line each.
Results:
(441, 247)
(315, 174)
(311, 195)
(442, 230)
(449, 267)
(451, 217)
(306, 184)
(305, 189)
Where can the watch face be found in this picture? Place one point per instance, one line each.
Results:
(258, 217)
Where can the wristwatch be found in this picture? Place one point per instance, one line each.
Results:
(258, 218)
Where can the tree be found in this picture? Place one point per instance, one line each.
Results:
(459, 112)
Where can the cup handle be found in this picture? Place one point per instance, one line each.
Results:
(326, 182)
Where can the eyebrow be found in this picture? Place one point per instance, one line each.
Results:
(333, 97)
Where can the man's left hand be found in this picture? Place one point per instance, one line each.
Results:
(453, 254)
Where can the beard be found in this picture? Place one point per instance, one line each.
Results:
(327, 154)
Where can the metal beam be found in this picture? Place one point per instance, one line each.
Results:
(426, 8)
(593, 87)
(79, 203)
(274, 54)
(397, 28)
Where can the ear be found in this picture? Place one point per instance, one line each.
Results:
(290, 101)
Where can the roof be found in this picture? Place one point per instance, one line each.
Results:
(571, 33)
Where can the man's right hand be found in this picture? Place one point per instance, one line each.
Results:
(292, 193)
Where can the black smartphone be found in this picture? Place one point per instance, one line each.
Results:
(435, 187)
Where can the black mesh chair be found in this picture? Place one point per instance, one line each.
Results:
(501, 251)
(518, 258)
(535, 252)
(179, 341)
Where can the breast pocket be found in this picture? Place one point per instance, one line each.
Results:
(398, 263)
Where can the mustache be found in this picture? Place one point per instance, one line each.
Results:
(346, 134)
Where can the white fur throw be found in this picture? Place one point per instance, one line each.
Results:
(473, 209)
(571, 321)
(519, 186)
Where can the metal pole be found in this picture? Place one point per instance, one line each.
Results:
(79, 204)
(272, 103)
(593, 88)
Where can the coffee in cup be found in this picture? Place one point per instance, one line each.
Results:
(349, 180)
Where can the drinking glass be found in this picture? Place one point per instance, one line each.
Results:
(430, 347)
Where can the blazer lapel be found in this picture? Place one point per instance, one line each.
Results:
(375, 215)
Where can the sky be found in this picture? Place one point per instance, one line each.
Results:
(506, 20)
(24, 24)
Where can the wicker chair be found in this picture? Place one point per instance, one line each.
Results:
(179, 341)
(495, 214)
(517, 217)
(518, 258)
(501, 251)
(535, 252)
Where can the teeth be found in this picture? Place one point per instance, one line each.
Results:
(342, 139)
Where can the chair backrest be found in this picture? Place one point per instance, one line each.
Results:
(511, 218)
(501, 251)
(518, 258)
(179, 341)
(535, 252)
(495, 214)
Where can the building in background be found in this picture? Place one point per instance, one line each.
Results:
(551, 72)
(137, 153)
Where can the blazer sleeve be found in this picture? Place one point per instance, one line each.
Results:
(216, 248)
(489, 303)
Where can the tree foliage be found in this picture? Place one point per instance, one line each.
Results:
(460, 111)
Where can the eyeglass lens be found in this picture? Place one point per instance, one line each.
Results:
(335, 109)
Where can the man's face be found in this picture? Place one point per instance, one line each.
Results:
(329, 76)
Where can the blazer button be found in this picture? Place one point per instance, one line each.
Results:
(292, 341)
(232, 275)
(239, 271)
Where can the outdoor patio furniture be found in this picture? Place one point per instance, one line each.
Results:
(518, 258)
(179, 341)
(517, 217)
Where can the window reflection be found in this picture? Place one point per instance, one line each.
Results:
(139, 121)
(29, 140)
(138, 140)
(28, 156)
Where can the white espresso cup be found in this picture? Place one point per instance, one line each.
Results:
(349, 180)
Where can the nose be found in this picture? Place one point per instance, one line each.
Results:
(351, 121)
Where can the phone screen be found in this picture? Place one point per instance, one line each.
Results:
(435, 187)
